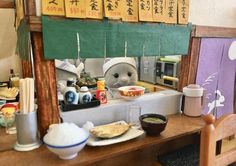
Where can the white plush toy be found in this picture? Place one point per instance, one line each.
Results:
(120, 72)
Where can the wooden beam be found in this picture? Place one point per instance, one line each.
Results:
(45, 76)
(35, 24)
(211, 31)
(7, 4)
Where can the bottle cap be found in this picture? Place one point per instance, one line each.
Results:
(101, 85)
(84, 89)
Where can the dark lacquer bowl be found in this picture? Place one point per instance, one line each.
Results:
(153, 124)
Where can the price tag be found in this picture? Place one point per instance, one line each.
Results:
(53, 7)
(113, 8)
(94, 9)
(159, 10)
(183, 11)
(171, 11)
(75, 8)
(130, 10)
(145, 10)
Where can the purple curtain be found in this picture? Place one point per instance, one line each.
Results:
(216, 73)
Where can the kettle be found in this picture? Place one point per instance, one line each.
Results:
(194, 101)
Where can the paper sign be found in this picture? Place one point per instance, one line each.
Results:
(113, 8)
(145, 10)
(53, 7)
(75, 8)
(171, 11)
(94, 9)
(159, 10)
(183, 11)
(130, 10)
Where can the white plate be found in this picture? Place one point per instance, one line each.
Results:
(130, 134)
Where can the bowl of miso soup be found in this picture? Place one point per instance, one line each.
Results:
(153, 124)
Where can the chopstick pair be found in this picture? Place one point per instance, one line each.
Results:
(26, 95)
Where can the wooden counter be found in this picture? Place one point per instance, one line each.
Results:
(140, 151)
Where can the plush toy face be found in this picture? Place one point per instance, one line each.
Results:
(121, 74)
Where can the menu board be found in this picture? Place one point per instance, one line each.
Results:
(171, 11)
(130, 11)
(94, 9)
(113, 8)
(53, 7)
(159, 10)
(75, 8)
(145, 10)
(183, 11)
(166, 11)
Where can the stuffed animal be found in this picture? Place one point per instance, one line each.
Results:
(120, 72)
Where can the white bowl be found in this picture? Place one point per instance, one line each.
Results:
(67, 152)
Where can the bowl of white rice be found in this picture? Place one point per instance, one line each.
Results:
(65, 139)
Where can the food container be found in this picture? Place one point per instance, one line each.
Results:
(131, 92)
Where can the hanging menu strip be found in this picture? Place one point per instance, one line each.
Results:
(183, 11)
(159, 10)
(171, 11)
(145, 10)
(94, 9)
(113, 9)
(75, 8)
(53, 7)
(130, 11)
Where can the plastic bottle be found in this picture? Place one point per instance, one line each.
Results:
(70, 94)
(101, 92)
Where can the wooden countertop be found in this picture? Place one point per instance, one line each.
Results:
(178, 126)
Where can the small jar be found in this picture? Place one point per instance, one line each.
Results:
(85, 95)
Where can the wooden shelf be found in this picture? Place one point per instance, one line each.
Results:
(211, 31)
(7, 4)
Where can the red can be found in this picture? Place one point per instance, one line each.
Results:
(101, 95)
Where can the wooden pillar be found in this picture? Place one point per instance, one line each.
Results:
(189, 64)
(208, 144)
(45, 76)
(26, 68)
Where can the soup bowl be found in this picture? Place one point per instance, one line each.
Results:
(153, 124)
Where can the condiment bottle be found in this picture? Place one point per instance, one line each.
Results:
(70, 94)
(85, 95)
(101, 92)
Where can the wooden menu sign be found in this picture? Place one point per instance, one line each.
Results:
(53, 7)
(171, 11)
(159, 10)
(130, 10)
(145, 10)
(75, 8)
(94, 9)
(183, 11)
(113, 8)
